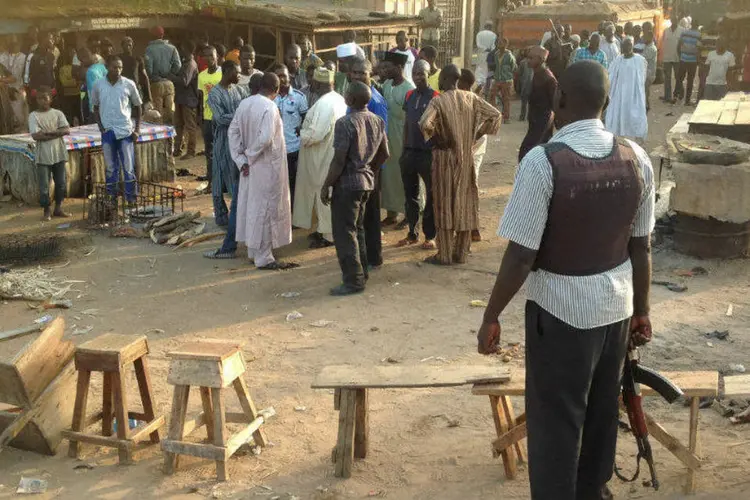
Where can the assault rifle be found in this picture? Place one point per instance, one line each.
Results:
(633, 376)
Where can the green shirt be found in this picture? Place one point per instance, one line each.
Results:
(505, 66)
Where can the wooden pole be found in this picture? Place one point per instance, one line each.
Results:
(468, 31)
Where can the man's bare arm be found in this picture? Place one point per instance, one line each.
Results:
(514, 269)
(640, 257)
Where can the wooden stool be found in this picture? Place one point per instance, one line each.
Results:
(109, 354)
(211, 366)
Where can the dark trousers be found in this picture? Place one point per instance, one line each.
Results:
(416, 163)
(373, 238)
(572, 384)
(291, 164)
(348, 221)
(208, 140)
(57, 173)
(686, 69)
(669, 68)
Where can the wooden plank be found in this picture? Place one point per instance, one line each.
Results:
(236, 417)
(147, 427)
(121, 412)
(196, 372)
(737, 386)
(107, 399)
(345, 441)
(707, 113)
(729, 113)
(195, 422)
(220, 431)
(671, 443)
(144, 388)
(248, 406)
(111, 349)
(394, 377)
(79, 410)
(208, 451)
(743, 114)
(109, 441)
(242, 436)
(216, 351)
(511, 418)
(502, 427)
(208, 412)
(510, 438)
(232, 368)
(697, 383)
(337, 399)
(361, 425)
(176, 425)
(693, 444)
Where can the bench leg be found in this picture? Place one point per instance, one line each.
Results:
(107, 412)
(693, 444)
(121, 412)
(248, 406)
(345, 444)
(176, 424)
(510, 416)
(144, 388)
(220, 430)
(361, 425)
(502, 425)
(208, 412)
(79, 411)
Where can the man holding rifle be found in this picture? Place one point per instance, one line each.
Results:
(579, 222)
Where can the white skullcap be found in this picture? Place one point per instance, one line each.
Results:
(577, 38)
(346, 50)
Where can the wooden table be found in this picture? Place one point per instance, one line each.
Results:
(728, 118)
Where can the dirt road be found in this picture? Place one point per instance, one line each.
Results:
(410, 312)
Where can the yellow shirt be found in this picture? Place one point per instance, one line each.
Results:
(206, 82)
(433, 80)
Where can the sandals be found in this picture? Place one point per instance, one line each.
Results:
(218, 254)
(429, 245)
(476, 236)
(409, 240)
(279, 266)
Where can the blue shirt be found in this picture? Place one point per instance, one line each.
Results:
(95, 72)
(115, 104)
(586, 55)
(291, 107)
(689, 47)
(415, 104)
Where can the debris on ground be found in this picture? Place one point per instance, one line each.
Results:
(175, 229)
(478, 303)
(374, 329)
(672, 287)
(35, 284)
(722, 408)
(452, 422)
(127, 232)
(84, 466)
(513, 350)
(31, 485)
(741, 418)
(730, 310)
(290, 295)
(736, 368)
(390, 360)
(716, 334)
(300, 408)
(294, 315)
(689, 273)
(82, 330)
(321, 323)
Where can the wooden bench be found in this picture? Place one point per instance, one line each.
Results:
(351, 383)
(511, 430)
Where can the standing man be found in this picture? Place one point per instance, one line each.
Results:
(134, 68)
(626, 113)
(256, 142)
(671, 58)
(592, 52)
(315, 157)
(541, 97)
(293, 61)
(292, 105)
(234, 54)
(247, 66)
(162, 64)
(207, 80)
(361, 71)
(224, 99)
(117, 110)
(308, 58)
(719, 62)
(505, 66)
(430, 54)
(556, 50)
(187, 102)
(360, 147)
(432, 19)
(609, 44)
(395, 89)
(454, 121)
(350, 36)
(95, 72)
(485, 42)
(650, 54)
(688, 47)
(14, 61)
(416, 160)
(588, 286)
(402, 47)
(41, 68)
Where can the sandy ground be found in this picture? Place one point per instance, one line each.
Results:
(412, 313)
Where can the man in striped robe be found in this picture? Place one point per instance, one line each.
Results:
(454, 121)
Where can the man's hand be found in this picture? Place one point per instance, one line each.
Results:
(325, 195)
(640, 330)
(488, 337)
(245, 170)
(135, 135)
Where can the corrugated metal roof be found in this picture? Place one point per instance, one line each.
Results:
(602, 10)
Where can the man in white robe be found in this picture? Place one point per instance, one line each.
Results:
(626, 113)
(315, 157)
(256, 142)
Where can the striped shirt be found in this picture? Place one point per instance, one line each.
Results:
(581, 301)
(689, 48)
(585, 55)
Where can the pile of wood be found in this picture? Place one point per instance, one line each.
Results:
(179, 229)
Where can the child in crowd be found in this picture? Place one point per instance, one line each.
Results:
(48, 126)
(525, 76)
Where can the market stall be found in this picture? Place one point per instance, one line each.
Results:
(85, 162)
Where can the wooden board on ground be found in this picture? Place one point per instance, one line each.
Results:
(693, 384)
(737, 386)
(707, 112)
(391, 377)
